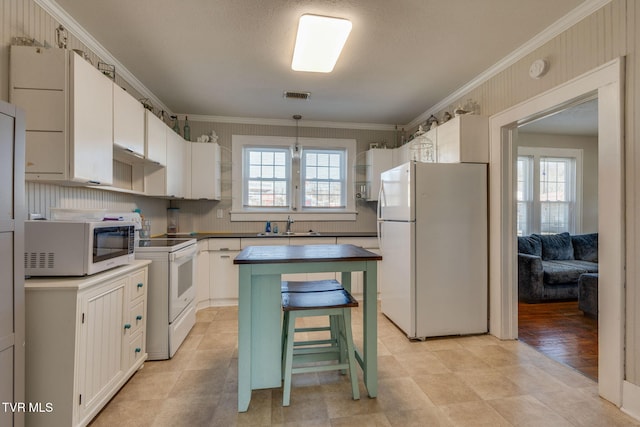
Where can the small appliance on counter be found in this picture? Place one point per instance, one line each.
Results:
(77, 247)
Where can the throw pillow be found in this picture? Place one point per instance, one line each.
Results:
(556, 246)
(585, 247)
(530, 245)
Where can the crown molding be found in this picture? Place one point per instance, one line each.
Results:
(576, 15)
(73, 27)
(289, 122)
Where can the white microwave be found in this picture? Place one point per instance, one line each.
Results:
(77, 248)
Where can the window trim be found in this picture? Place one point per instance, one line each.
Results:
(533, 221)
(243, 213)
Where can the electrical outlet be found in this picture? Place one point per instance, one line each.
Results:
(220, 214)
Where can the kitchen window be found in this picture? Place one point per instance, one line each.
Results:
(307, 178)
(549, 182)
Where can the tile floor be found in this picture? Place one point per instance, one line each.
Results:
(464, 381)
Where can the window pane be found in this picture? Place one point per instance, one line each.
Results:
(267, 182)
(324, 185)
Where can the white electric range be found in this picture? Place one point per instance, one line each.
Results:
(171, 311)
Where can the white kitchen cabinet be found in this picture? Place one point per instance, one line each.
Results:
(69, 109)
(377, 161)
(205, 171)
(128, 123)
(12, 318)
(463, 139)
(85, 338)
(173, 180)
(203, 298)
(155, 142)
(368, 243)
(223, 272)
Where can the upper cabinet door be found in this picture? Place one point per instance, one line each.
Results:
(155, 139)
(91, 110)
(128, 122)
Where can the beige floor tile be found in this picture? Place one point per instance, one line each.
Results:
(431, 417)
(490, 384)
(401, 394)
(531, 379)
(527, 411)
(476, 414)
(150, 386)
(460, 360)
(185, 411)
(445, 389)
(129, 413)
(421, 363)
(364, 420)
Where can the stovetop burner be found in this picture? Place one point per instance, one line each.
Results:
(161, 243)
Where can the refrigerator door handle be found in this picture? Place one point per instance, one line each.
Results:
(380, 199)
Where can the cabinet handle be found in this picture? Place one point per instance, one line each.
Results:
(140, 285)
(139, 317)
(138, 349)
(127, 326)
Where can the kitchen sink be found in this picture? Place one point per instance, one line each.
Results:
(305, 233)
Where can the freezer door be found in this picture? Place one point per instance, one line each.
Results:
(397, 274)
(396, 201)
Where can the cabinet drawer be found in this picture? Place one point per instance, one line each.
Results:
(137, 284)
(363, 242)
(264, 241)
(136, 317)
(312, 240)
(136, 349)
(224, 244)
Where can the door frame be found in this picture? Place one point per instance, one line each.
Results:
(607, 81)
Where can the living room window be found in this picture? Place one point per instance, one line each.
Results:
(548, 190)
(307, 178)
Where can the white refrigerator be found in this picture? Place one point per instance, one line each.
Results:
(432, 226)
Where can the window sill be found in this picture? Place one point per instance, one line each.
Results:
(295, 215)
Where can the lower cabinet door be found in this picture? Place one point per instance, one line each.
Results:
(136, 349)
(224, 277)
(100, 349)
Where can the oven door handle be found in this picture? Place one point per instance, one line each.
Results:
(188, 252)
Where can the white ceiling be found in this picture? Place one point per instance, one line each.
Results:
(233, 57)
(578, 120)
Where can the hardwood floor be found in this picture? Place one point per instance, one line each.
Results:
(562, 332)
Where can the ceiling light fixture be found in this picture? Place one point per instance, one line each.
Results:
(319, 42)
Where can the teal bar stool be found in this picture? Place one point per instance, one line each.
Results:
(305, 356)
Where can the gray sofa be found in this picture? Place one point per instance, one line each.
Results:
(549, 266)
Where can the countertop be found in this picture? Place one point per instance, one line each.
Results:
(218, 235)
(304, 253)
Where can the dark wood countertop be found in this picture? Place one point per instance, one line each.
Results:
(304, 253)
(222, 235)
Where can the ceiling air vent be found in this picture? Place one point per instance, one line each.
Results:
(297, 95)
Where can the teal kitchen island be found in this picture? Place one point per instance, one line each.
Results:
(259, 308)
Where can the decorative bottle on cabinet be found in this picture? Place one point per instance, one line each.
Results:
(187, 129)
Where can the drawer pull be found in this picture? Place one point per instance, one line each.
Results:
(127, 325)
(140, 285)
(139, 317)
(138, 349)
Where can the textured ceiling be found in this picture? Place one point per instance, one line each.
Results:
(232, 57)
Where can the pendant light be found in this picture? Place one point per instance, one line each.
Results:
(296, 148)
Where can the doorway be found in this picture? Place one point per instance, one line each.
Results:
(557, 191)
(606, 81)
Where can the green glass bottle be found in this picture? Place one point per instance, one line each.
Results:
(187, 129)
(176, 126)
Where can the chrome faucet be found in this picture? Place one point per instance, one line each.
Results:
(289, 222)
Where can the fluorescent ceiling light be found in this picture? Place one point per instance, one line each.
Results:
(319, 43)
